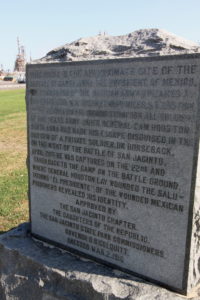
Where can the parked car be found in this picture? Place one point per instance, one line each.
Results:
(8, 78)
(21, 78)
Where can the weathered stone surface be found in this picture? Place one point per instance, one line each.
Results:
(151, 42)
(32, 270)
(128, 200)
(144, 42)
(194, 269)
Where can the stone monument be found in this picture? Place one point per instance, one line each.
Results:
(113, 173)
(113, 151)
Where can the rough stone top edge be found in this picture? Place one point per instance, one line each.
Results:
(116, 60)
(140, 43)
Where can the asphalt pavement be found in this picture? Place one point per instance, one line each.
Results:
(7, 85)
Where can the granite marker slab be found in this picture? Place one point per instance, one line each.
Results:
(113, 149)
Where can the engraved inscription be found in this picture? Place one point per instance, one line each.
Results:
(111, 152)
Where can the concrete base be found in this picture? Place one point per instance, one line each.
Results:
(32, 270)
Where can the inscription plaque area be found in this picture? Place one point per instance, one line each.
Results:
(113, 151)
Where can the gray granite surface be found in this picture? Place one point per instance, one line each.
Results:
(113, 156)
(32, 270)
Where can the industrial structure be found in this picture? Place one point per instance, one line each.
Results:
(20, 61)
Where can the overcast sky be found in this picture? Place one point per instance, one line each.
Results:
(42, 25)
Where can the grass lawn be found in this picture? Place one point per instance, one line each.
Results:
(13, 151)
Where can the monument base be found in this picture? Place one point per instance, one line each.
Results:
(30, 269)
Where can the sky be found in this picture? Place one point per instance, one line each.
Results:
(42, 25)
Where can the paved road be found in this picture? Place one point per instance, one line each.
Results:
(6, 85)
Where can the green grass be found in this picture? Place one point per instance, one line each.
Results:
(13, 151)
(13, 189)
(11, 102)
